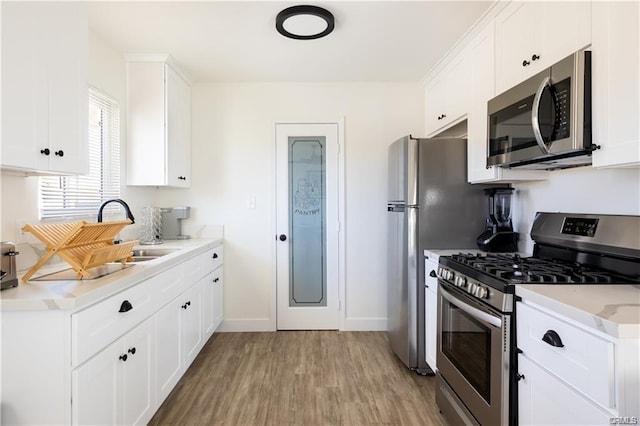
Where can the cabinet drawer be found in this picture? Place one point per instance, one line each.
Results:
(585, 361)
(95, 327)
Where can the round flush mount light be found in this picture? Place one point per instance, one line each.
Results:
(304, 22)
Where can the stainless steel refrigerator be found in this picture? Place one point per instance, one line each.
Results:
(430, 206)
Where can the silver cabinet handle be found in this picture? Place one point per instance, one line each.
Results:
(474, 312)
(535, 122)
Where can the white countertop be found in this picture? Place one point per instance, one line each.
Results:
(611, 309)
(74, 294)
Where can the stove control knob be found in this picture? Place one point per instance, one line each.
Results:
(482, 292)
(471, 287)
(460, 281)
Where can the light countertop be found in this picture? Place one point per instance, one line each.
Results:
(74, 294)
(611, 309)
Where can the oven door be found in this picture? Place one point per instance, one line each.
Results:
(474, 354)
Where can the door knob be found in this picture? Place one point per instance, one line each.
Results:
(282, 237)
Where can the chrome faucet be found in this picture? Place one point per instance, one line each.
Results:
(117, 200)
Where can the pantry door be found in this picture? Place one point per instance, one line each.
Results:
(307, 226)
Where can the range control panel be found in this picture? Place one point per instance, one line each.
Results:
(584, 227)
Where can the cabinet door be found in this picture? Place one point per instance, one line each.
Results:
(561, 28)
(218, 298)
(431, 312)
(191, 323)
(435, 104)
(96, 388)
(458, 83)
(24, 88)
(208, 304)
(168, 348)
(482, 90)
(67, 47)
(178, 104)
(544, 400)
(44, 87)
(138, 373)
(615, 83)
(515, 45)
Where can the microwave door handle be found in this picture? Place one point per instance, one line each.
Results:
(535, 122)
(474, 312)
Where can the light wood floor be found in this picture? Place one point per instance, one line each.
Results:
(300, 378)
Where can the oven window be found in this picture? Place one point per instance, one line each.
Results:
(466, 342)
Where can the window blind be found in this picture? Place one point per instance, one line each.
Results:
(72, 196)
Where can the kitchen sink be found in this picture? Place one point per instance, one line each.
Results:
(142, 255)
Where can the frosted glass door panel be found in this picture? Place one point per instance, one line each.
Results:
(307, 222)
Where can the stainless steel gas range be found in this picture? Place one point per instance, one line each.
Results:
(476, 355)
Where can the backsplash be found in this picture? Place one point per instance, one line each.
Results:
(579, 190)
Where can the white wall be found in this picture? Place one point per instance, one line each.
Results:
(579, 190)
(19, 195)
(233, 159)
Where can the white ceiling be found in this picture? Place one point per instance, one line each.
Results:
(237, 40)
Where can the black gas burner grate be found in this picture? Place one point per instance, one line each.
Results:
(515, 269)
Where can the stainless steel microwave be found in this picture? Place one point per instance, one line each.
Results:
(544, 122)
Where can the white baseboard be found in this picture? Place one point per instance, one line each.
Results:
(365, 324)
(266, 324)
(241, 325)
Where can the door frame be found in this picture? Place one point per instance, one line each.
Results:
(273, 311)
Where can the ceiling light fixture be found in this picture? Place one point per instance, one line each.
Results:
(304, 22)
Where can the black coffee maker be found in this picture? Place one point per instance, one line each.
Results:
(499, 236)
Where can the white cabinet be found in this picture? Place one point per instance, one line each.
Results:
(481, 52)
(212, 302)
(615, 83)
(545, 400)
(110, 362)
(572, 374)
(431, 311)
(178, 328)
(446, 95)
(531, 36)
(115, 386)
(44, 87)
(159, 122)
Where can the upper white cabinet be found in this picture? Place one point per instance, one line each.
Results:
(446, 95)
(159, 125)
(481, 53)
(533, 35)
(44, 87)
(616, 83)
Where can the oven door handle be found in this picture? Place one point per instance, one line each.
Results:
(474, 312)
(535, 121)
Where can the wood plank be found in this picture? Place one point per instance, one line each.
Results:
(300, 377)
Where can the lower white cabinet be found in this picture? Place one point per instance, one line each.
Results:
(115, 386)
(431, 312)
(113, 362)
(212, 302)
(545, 400)
(572, 374)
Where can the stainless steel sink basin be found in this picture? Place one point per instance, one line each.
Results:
(142, 255)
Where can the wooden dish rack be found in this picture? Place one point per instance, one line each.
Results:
(82, 245)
